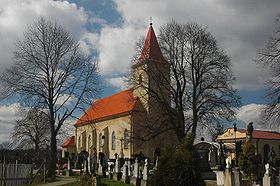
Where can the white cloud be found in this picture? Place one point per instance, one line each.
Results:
(89, 41)
(16, 15)
(250, 113)
(116, 47)
(254, 113)
(241, 28)
(97, 20)
(8, 116)
(66, 100)
(118, 82)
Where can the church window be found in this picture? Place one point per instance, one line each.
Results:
(100, 141)
(89, 142)
(113, 140)
(79, 142)
(125, 139)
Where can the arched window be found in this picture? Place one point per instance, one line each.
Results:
(125, 137)
(113, 140)
(89, 142)
(79, 142)
(100, 141)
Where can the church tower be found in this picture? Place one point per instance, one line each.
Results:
(151, 78)
(151, 74)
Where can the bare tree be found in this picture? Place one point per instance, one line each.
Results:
(269, 58)
(33, 130)
(6, 145)
(199, 90)
(51, 72)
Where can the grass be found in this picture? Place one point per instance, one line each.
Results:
(103, 182)
(109, 182)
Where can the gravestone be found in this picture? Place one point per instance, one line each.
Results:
(237, 177)
(117, 175)
(219, 177)
(135, 179)
(146, 179)
(228, 178)
(267, 180)
(129, 168)
(145, 170)
(125, 176)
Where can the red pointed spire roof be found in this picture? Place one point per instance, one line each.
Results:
(151, 50)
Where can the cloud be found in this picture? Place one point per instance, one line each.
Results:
(241, 28)
(8, 116)
(116, 47)
(16, 15)
(97, 20)
(252, 113)
(118, 82)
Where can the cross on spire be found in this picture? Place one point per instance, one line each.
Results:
(151, 21)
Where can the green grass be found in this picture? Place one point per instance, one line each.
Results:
(109, 182)
(103, 182)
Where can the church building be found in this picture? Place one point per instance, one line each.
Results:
(113, 124)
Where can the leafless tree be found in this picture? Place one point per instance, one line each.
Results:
(269, 58)
(6, 145)
(52, 73)
(200, 91)
(33, 130)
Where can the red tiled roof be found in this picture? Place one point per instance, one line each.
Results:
(151, 50)
(117, 104)
(262, 134)
(69, 142)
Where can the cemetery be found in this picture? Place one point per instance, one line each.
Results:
(107, 140)
(217, 161)
(123, 115)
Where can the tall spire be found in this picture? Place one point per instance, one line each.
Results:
(151, 50)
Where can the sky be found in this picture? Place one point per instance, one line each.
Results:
(108, 30)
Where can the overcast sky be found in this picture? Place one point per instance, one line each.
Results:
(108, 29)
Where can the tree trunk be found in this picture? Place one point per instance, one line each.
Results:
(37, 150)
(53, 158)
(194, 122)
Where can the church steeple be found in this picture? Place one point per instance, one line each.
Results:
(150, 72)
(151, 50)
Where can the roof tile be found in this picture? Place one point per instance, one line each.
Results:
(69, 142)
(120, 103)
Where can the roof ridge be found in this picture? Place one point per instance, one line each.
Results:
(131, 89)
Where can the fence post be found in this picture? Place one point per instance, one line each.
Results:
(16, 171)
